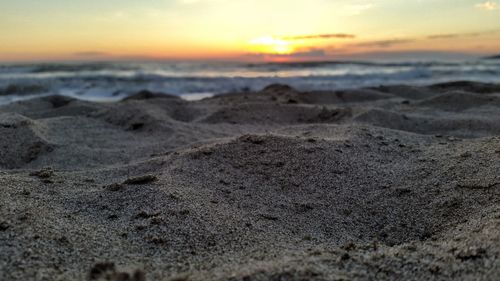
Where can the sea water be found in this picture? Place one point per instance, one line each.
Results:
(111, 81)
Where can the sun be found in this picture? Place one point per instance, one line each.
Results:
(271, 45)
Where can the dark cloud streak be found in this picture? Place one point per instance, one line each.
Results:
(460, 35)
(384, 43)
(321, 36)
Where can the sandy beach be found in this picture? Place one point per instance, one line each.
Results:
(383, 183)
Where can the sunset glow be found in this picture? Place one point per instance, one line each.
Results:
(243, 30)
(270, 45)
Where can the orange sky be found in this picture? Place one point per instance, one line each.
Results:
(243, 29)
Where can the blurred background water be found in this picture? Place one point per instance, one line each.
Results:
(110, 81)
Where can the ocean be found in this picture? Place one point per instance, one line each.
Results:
(111, 81)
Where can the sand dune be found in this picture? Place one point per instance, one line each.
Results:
(388, 183)
(22, 140)
(460, 101)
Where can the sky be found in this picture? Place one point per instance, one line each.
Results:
(254, 30)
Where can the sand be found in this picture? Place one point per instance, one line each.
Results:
(386, 183)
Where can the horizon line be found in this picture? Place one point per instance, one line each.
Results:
(362, 56)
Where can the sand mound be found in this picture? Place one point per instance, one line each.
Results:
(467, 86)
(22, 140)
(265, 113)
(145, 95)
(372, 184)
(459, 101)
(275, 93)
(362, 95)
(406, 92)
(52, 106)
(278, 206)
(331, 190)
(149, 115)
(278, 89)
(132, 118)
(58, 101)
(337, 97)
(284, 94)
(393, 120)
(460, 125)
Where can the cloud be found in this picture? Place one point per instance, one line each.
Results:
(488, 6)
(443, 36)
(461, 35)
(383, 43)
(452, 35)
(90, 54)
(308, 53)
(321, 36)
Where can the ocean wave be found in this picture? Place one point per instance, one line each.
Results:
(108, 80)
(22, 89)
(81, 67)
(315, 64)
